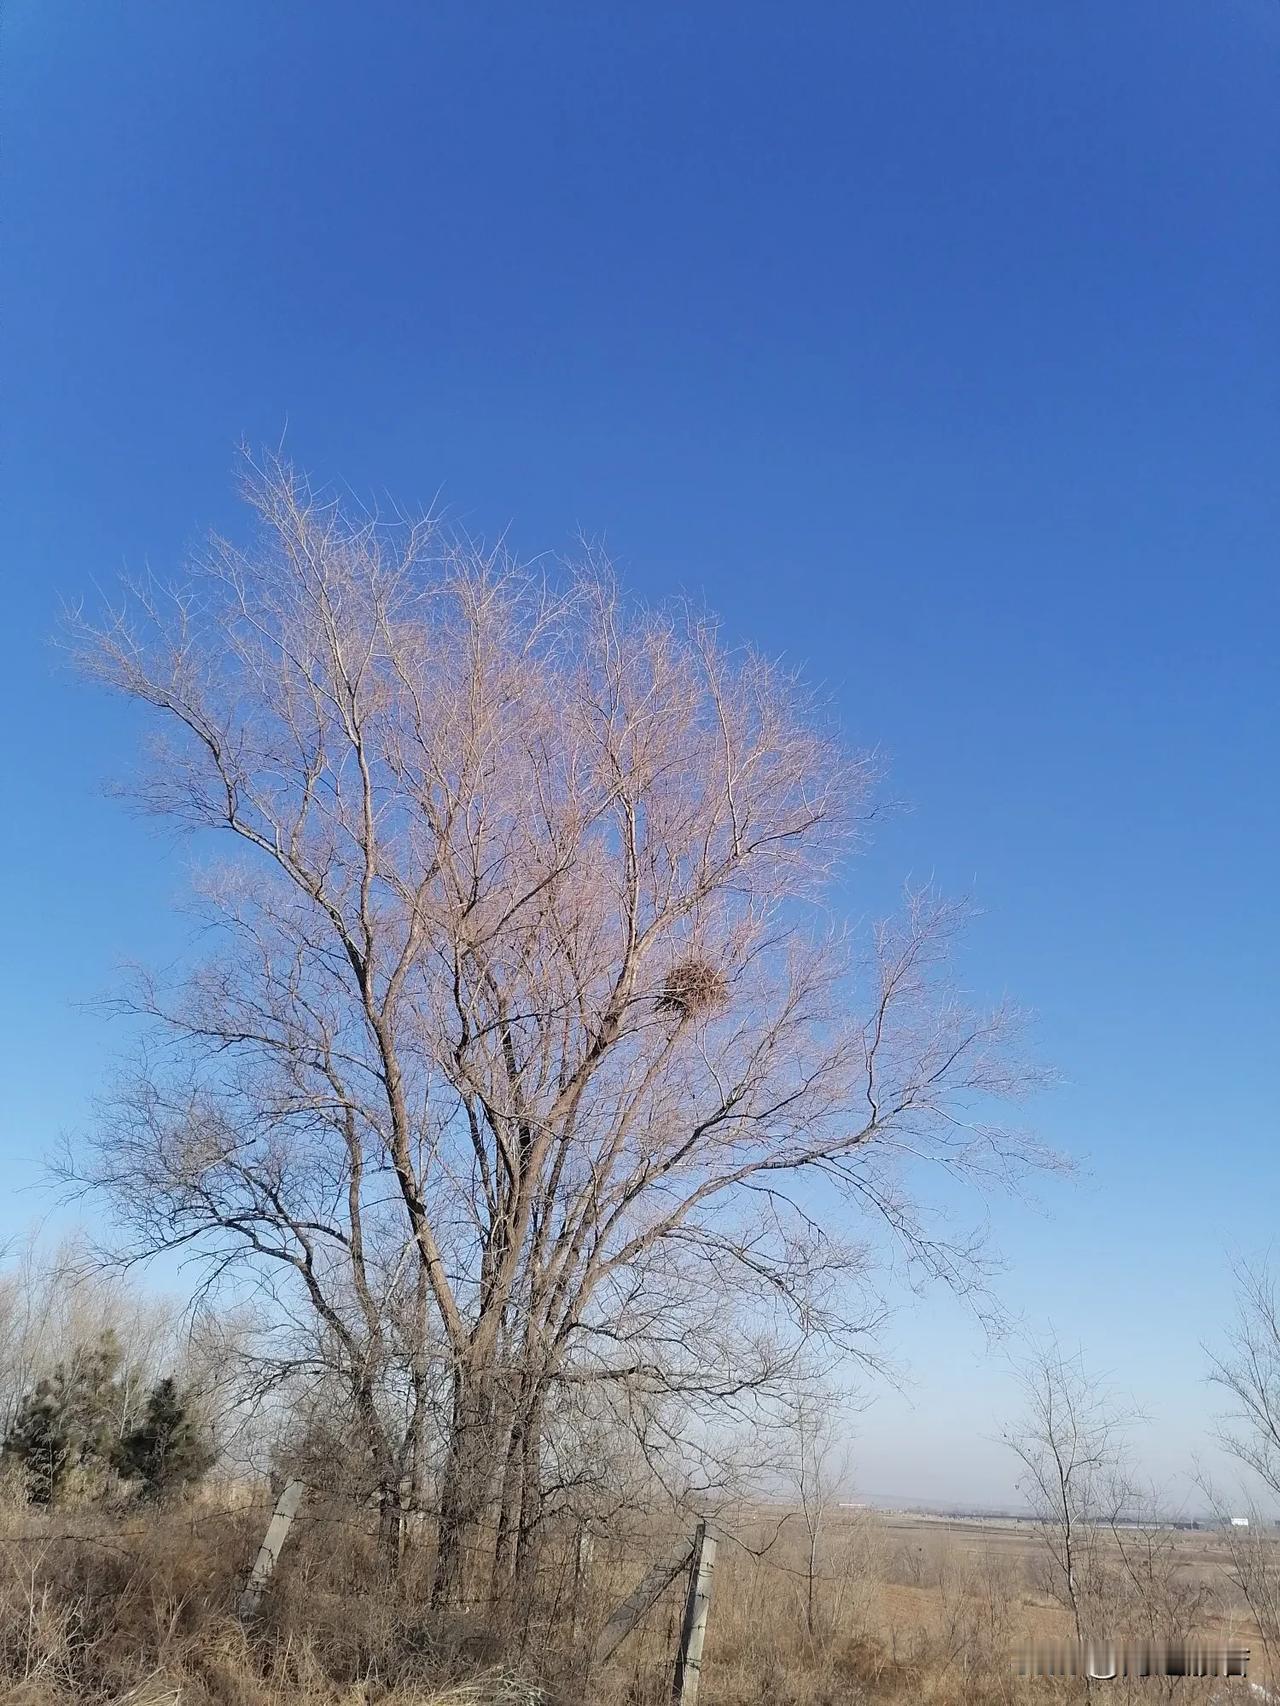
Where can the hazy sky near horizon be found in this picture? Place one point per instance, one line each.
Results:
(934, 344)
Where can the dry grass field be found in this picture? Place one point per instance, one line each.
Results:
(929, 1610)
(904, 1609)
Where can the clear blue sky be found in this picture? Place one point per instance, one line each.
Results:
(935, 343)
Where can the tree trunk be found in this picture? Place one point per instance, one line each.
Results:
(413, 1472)
(465, 1485)
(389, 1514)
(384, 1470)
(504, 1554)
(529, 1534)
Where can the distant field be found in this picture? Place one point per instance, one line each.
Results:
(1015, 1553)
(990, 1537)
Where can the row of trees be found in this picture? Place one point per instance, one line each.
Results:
(1109, 1544)
(86, 1422)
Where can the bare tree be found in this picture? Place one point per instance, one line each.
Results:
(1152, 1594)
(1248, 1370)
(1070, 1441)
(528, 1054)
(820, 1473)
(1253, 1565)
(53, 1309)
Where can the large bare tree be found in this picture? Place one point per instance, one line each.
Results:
(528, 1060)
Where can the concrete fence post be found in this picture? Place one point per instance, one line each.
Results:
(269, 1552)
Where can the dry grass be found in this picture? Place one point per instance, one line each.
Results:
(95, 1608)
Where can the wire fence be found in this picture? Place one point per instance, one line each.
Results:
(333, 1587)
(573, 1574)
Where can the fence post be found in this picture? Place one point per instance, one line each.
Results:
(277, 1532)
(633, 1608)
(582, 1556)
(693, 1629)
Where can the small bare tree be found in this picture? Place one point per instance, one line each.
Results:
(1253, 1566)
(1247, 1369)
(528, 1062)
(1152, 1594)
(820, 1471)
(1070, 1441)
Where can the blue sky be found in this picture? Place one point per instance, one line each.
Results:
(936, 344)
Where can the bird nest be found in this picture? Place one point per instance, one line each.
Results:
(693, 987)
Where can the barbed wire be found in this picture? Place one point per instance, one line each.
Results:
(612, 1554)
